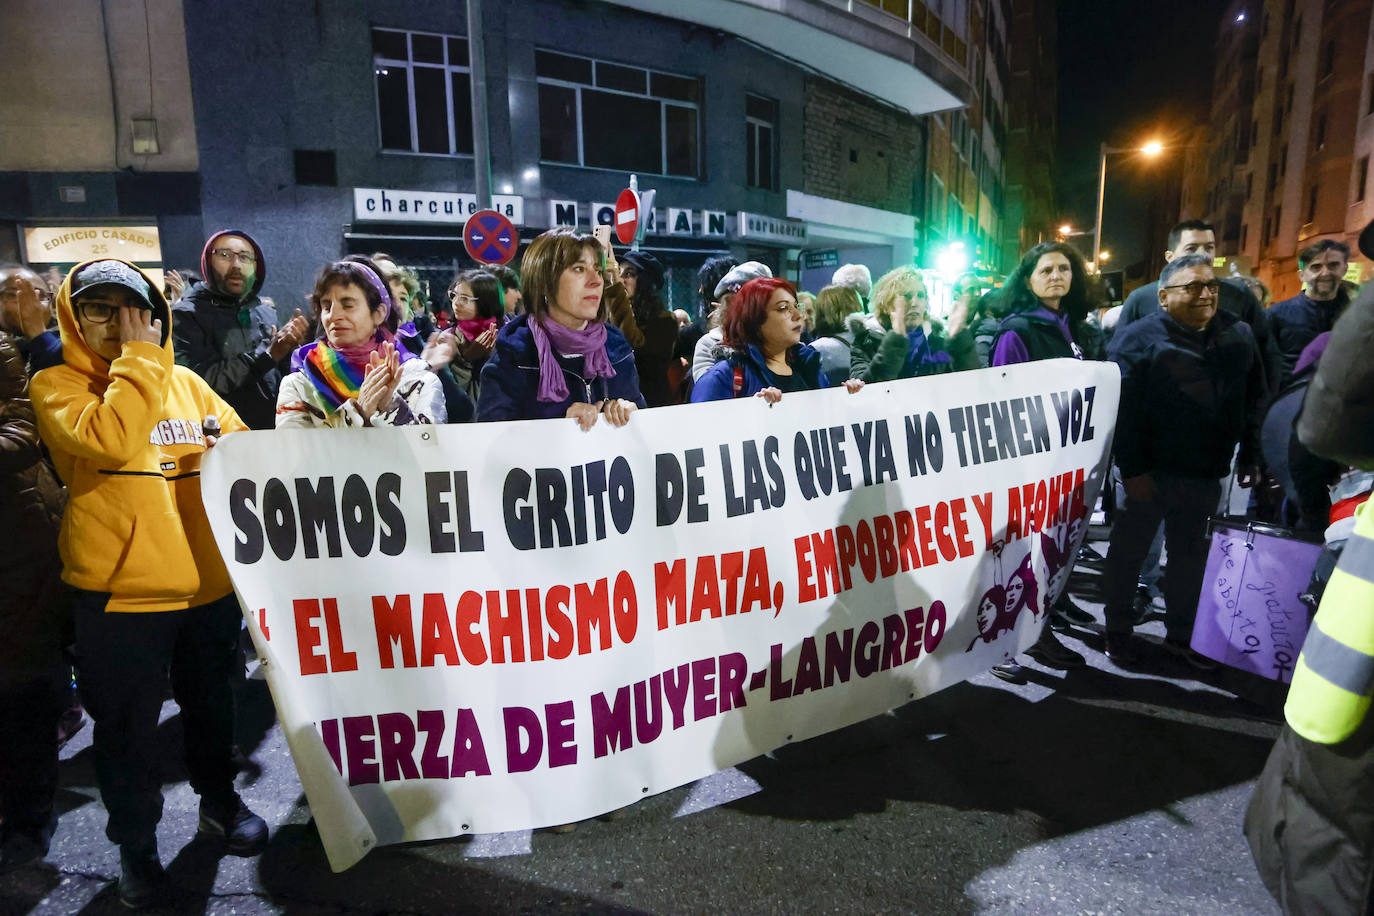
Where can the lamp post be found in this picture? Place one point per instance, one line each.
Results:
(1150, 149)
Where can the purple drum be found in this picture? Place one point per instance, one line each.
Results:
(1249, 615)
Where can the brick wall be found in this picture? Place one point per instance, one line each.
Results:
(856, 150)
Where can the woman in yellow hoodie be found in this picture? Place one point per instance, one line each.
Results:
(125, 426)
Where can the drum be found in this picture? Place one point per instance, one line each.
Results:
(1249, 615)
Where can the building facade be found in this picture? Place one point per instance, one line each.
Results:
(1291, 135)
(1029, 212)
(325, 129)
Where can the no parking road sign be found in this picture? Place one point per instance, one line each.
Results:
(490, 238)
(627, 216)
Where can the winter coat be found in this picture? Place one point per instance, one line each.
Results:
(31, 503)
(1295, 322)
(1187, 396)
(718, 383)
(653, 335)
(1236, 298)
(836, 353)
(126, 437)
(881, 355)
(226, 341)
(510, 378)
(1338, 416)
(419, 398)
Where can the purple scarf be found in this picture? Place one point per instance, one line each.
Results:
(590, 342)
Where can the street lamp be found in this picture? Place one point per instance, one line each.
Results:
(1104, 256)
(1153, 148)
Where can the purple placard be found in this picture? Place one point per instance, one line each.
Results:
(1249, 615)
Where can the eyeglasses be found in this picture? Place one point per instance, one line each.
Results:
(228, 254)
(97, 312)
(789, 308)
(1195, 288)
(909, 296)
(459, 297)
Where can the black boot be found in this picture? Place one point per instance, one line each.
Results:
(142, 882)
(243, 832)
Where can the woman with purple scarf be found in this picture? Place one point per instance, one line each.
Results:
(355, 374)
(561, 358)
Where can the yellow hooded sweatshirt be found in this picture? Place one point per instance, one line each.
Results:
(126, 438)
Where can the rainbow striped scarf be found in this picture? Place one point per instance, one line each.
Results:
(334, 376)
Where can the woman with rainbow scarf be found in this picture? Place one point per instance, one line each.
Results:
(355, 374)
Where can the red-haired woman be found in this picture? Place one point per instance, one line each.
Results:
(763, 354)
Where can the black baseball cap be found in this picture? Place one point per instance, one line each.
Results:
(112, 273)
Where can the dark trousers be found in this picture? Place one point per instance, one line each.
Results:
(124, 662)
(1183, 504)
(29, 710)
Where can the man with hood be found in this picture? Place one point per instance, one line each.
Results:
(151, 594)
(227, 333)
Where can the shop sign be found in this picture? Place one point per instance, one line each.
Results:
(679, 221)
(387, 205)
(563, 213)
(713, 223)
(74, 244)
(759, 228)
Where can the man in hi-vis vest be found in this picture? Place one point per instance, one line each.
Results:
(1311, 821)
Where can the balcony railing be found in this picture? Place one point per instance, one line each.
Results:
(924, 20)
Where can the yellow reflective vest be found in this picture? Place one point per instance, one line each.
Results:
(1334, 676)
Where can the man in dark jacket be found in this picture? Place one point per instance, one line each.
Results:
(1313, 311)
(1192, 386)
(26, 313)
(227, 334)
(1197, 237)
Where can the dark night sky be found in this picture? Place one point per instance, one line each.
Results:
(1129, 71)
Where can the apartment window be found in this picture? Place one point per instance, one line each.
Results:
(1329, 59)
(1311, 204)
(1244, 234)
(1297, 31)
(760, 142)
(1361, 178)
(1289, 103)
(1264, 236)
(1369, 94)
(1249, 184)
(1254, 133)
(1273, 176)
(1319, 135)
(424, 92)
(599, 114)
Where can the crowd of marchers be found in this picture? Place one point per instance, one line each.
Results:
(116, 383)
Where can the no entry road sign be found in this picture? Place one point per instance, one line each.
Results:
(490, 238)
(627, 216)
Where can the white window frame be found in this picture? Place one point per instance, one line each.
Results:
(448, 68)
(663, 104)
(772, 126)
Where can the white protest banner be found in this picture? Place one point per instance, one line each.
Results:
(490, 627)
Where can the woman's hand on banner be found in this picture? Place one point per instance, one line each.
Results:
(584, 414)
(618, 410)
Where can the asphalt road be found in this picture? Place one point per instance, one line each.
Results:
(1094, 792)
